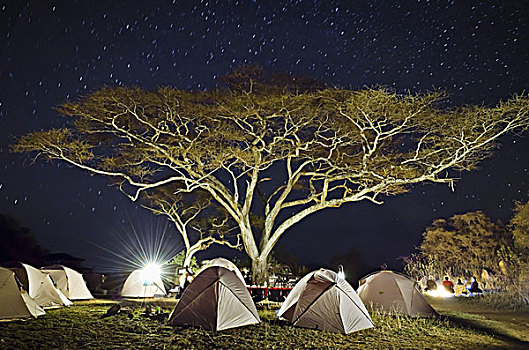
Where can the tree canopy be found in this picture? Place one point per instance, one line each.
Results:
(280, 149)
(19, 243)
(466, 243)
(520, 226)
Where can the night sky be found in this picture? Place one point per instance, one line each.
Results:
(51, 51)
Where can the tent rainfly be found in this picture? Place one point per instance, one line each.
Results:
(217, 299)
(14, 303)
(394, 292)
(222, 262)
(41, 289)
(322, 300)
(143, 284)
(69, 282)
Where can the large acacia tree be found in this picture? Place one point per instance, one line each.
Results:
(287, 150)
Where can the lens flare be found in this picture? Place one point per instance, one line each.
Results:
(150, 273)
(144, 244)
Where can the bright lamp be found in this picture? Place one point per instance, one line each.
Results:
(150, 273)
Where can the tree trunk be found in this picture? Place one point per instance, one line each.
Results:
(260, 271)
(187, 260)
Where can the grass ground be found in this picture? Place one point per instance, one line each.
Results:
(473, 314)
(81, 327)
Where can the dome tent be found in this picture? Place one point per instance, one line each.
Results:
(40, 287)
(322, 300)
(69, 282)
(143, 283)
(14, 303)
(223, 262)
(394, 292)
(216, 299)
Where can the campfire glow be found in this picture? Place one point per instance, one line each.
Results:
(439, 293)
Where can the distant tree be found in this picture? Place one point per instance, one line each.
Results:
(465, 243)
(520, 226)
(417, 266)
(517, 260)
(19, 243)
(180, 258)
(282, 261)
(300, 149)
(66, 260)
(353, 264)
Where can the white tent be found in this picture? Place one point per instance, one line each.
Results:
(217, 299)
(69, 282)
(14, 304)
(394, 292)
(322, 300)
(140, 284)
(42, 290)
(222, 262)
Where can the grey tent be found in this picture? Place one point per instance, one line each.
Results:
(217, 299)
(394, 292)
(322, 300)
(14, 303)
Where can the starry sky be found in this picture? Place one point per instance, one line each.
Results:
(52, 51)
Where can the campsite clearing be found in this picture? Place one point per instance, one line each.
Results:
(81, 326)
